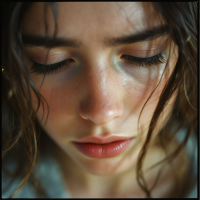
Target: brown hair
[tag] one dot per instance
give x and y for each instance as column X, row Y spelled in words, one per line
column 21, row 131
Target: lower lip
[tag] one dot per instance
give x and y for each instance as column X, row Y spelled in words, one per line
column 103, row 150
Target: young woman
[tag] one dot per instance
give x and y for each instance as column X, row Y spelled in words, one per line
column 99, row 99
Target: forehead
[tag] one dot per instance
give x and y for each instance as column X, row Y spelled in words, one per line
column 93, row 19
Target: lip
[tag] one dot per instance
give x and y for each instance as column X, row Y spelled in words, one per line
column 96, row 147
column 101, row 140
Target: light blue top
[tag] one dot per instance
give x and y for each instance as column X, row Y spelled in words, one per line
column 52, row 180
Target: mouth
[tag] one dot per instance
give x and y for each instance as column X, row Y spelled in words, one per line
column 94, row 147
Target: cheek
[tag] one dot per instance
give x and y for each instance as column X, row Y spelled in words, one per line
column 137, row 95
column 61, row 109
column 143, row 81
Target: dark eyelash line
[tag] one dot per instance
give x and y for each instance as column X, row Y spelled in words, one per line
column 49, row 69
column 55, row 68
column 145, row 62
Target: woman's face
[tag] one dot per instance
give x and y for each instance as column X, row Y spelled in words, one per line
column 99, row 93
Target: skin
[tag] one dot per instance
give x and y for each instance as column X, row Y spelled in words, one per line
column 100, row 93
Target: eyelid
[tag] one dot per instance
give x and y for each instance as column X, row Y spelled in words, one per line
column 142, row 53
column 50, row 60
column 145, row 50
column 143, row 58
column 145, row 62
column 53, row 57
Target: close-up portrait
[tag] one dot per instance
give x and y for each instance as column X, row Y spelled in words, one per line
column 100, row 99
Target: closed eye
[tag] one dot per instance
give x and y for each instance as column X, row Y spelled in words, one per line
column 50, row 69
column 146, row 62
column 136, row 61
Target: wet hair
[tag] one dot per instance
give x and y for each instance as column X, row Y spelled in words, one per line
column 22, row 134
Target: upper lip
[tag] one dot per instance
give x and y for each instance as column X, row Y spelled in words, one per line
column 102, row 140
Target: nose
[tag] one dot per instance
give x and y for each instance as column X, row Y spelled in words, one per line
column 101, row 103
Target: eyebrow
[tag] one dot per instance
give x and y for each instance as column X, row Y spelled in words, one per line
column 34, row 40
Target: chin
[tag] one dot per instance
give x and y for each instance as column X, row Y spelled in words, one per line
column 106, row 166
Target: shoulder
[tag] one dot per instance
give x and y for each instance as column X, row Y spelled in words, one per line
column 10, row 182
column 47, row 172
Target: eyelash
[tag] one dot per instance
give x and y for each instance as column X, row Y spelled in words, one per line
column 145, row 62
column 50, row 69
column 55, row 68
